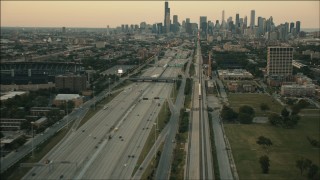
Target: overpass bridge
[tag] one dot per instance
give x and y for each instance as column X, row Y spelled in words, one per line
column 154, row 79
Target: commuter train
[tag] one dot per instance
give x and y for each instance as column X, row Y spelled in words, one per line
column 199, row 91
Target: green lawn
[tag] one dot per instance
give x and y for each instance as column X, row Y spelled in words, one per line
column 288, row 146
column 237, row 100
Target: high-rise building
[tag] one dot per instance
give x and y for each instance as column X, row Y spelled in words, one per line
column 203, row 26
column 175, row 19
column 63, row 30
column 279, row 62
column 237, row 20
column 245, row 22
column 253, row 16
column 222, row 16
column 167, row 17
column 261, row 25
column 291, row 26
column 298, row 26
column 175, row 25
column 187, row 20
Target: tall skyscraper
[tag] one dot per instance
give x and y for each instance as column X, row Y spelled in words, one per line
column 298, row 27
column 222, row 17
column 261, row 26
column 279, row 62
column 203, row 26
column 253, row 16
column 237, row 20
column 291, row 27
column 166, row 17
column 245, row 22
column 175, row 19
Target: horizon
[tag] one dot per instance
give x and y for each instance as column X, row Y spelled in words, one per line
column 100, row 14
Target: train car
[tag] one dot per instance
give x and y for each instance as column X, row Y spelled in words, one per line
column 199, row 91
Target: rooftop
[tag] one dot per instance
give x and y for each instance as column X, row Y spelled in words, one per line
column 67, row 96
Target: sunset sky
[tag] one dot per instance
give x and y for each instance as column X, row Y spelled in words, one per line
column 103, row 13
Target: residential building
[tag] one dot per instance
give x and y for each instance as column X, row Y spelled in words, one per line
column 279, row 63
column 10, row 124
column 297, row 90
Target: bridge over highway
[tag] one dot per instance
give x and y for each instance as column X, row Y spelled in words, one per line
column 154, row 79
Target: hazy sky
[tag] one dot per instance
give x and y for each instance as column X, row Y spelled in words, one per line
column 112, row 13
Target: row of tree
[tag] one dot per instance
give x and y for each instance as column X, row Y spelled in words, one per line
column 245, row 115
column 304, row 164
column 285, row 120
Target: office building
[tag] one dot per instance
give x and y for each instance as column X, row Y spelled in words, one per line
column 298, row 27
column 253, row 16
column 203, row 26
column 237, row 20
column 166, row 17
column 279, row 63
column 291, row 27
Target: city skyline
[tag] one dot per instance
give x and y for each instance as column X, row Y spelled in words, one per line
column 100, row 14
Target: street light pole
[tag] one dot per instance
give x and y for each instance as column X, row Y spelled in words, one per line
column 32, row 137
column 109, row 86
column 94, row 100
column 155, row 139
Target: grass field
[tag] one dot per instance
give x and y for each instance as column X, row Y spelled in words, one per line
column 254, row 100
column 288, row 146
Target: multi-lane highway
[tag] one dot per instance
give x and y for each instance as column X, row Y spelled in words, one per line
column 109, row 144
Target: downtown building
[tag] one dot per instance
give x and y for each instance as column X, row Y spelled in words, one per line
column 279, row 65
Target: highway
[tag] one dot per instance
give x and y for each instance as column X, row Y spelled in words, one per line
column 199, row 158
column 113, row 138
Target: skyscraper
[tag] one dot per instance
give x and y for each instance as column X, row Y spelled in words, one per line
column 245, row 22
column 222, row 17
column 203, row 26
column 298, row 27
column 166, row 17
column 253, row 16
column 261, row 25
column 175, row 19
column 291, row 27
column 279, row 62
column 187, row 20
column 237, row 20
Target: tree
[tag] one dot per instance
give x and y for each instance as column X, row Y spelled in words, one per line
column 265, row 164
column 245, row 118
column 228, row 113
column 247, row 110
column 299, row 165
column 285, row 112
column 313, row 169
column 307, row 164
column 265, row 142
column 264, row 107
column 275, row 119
